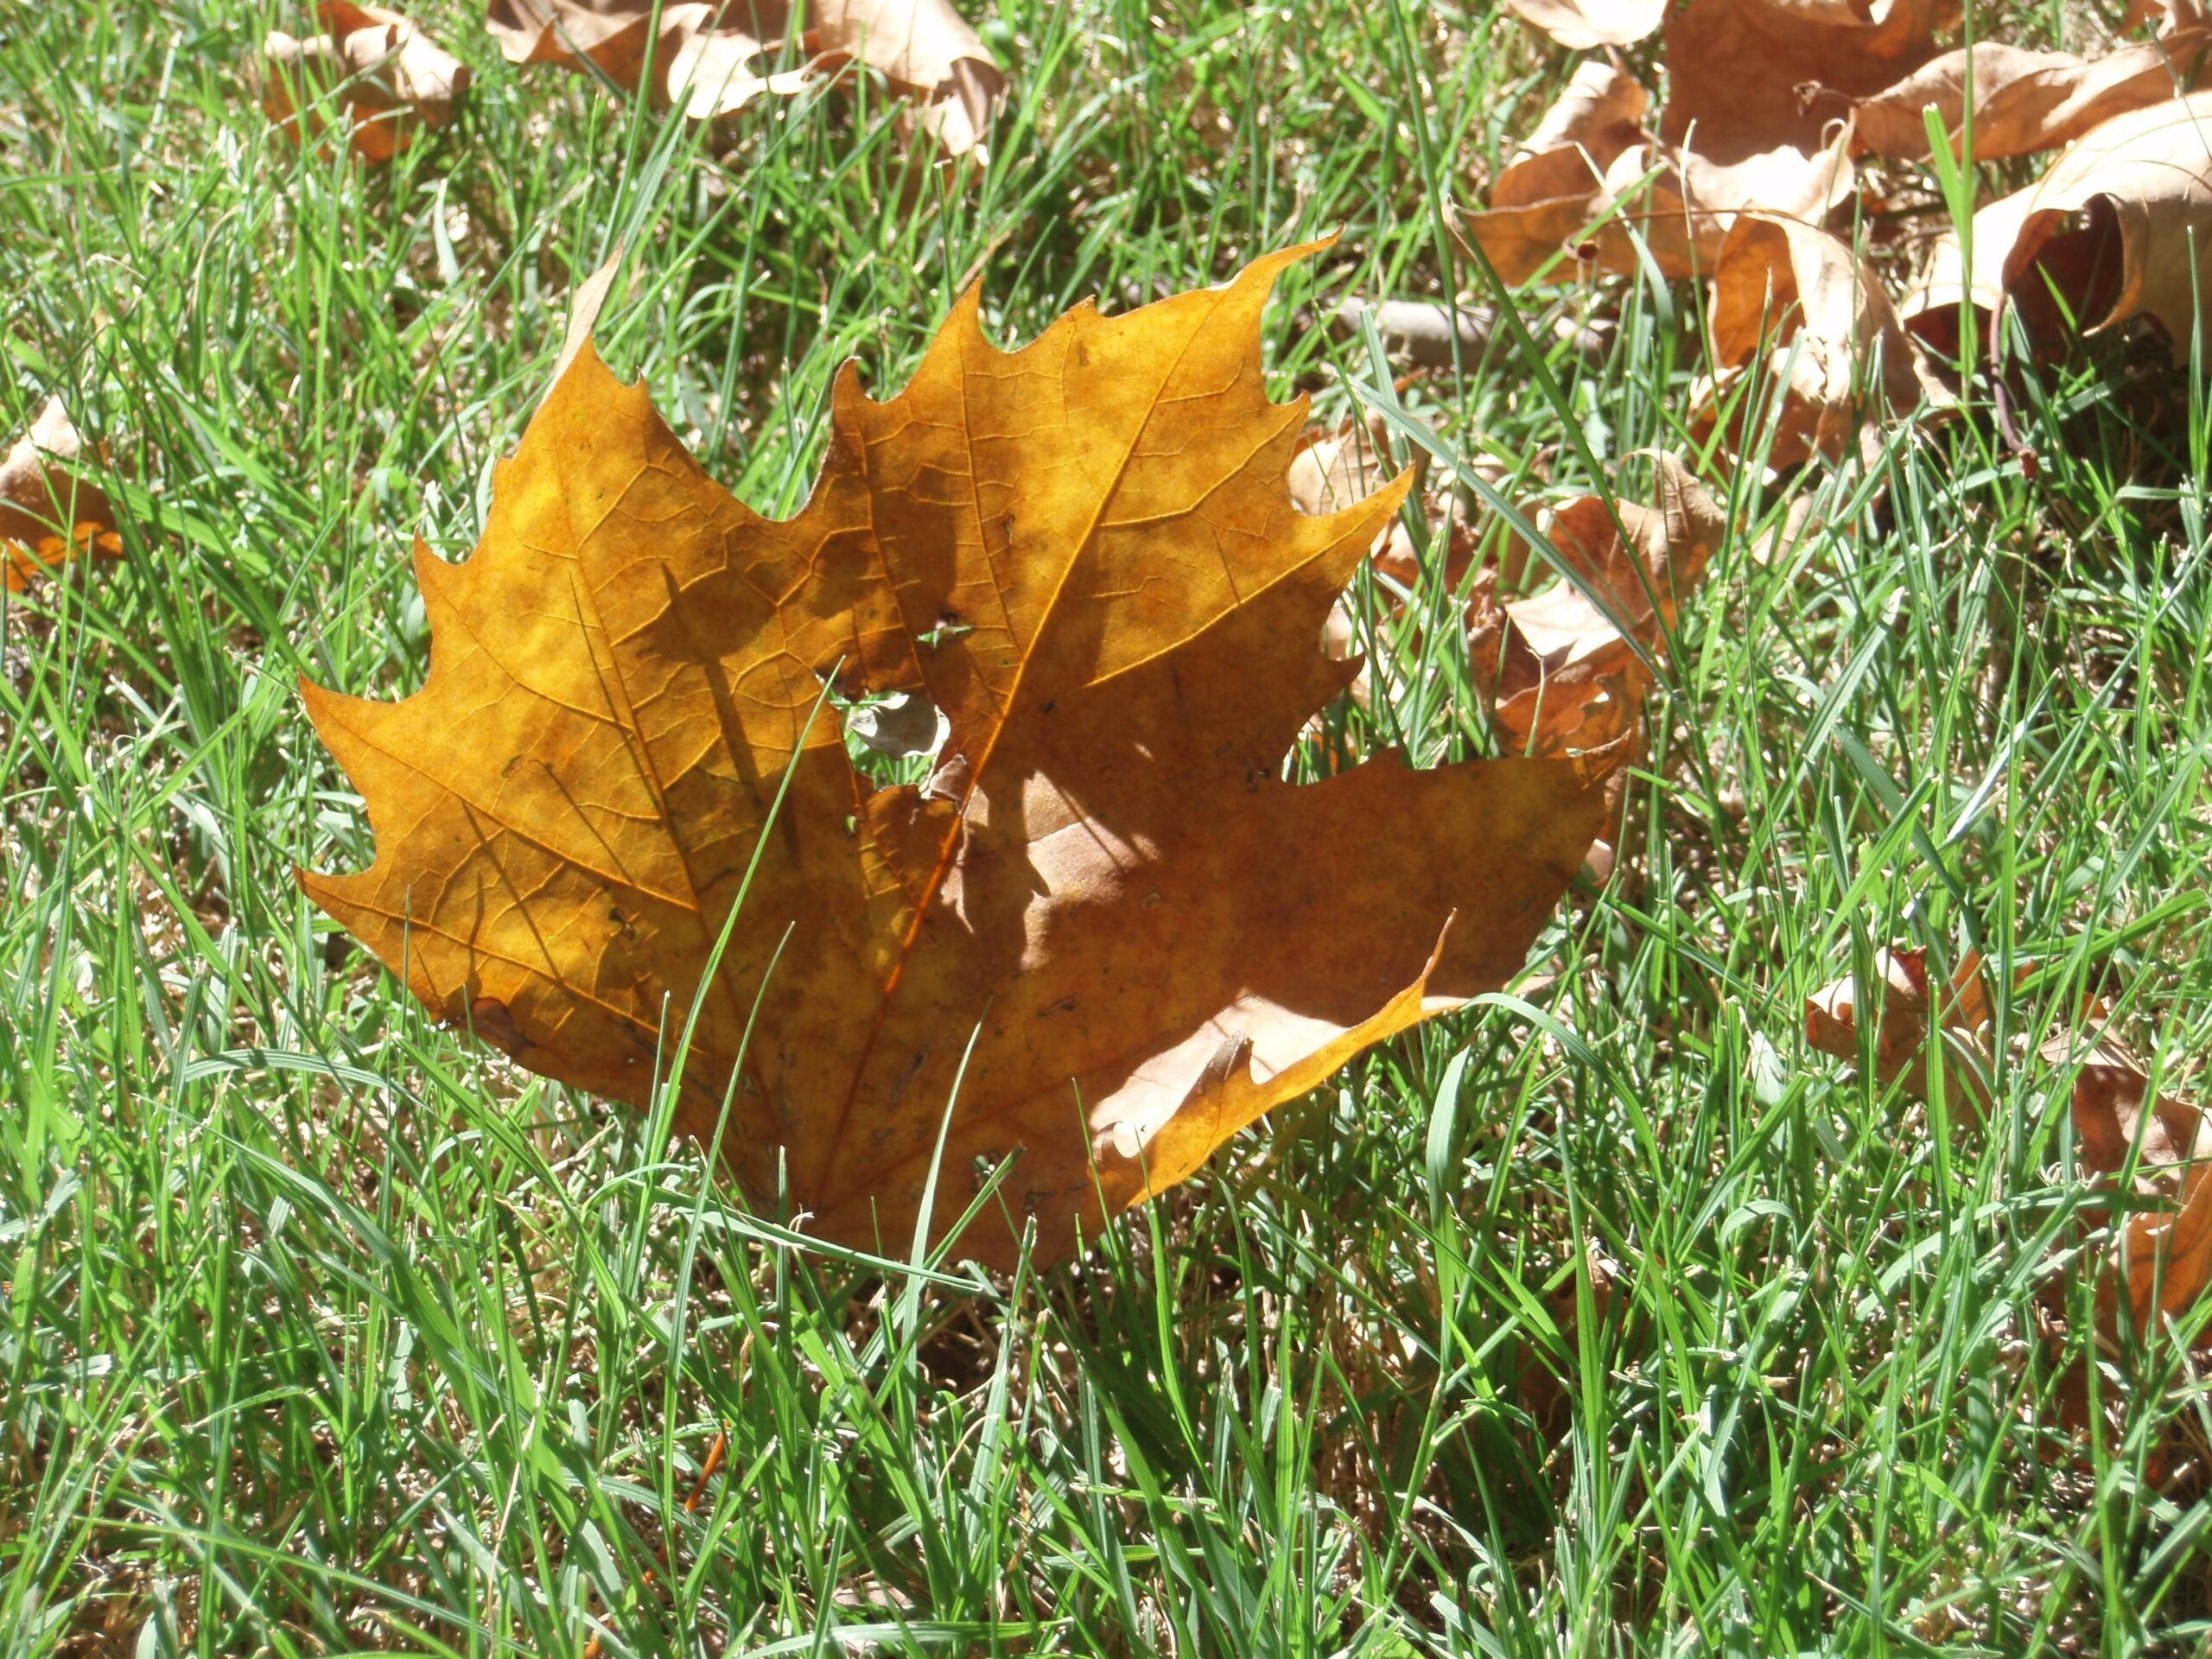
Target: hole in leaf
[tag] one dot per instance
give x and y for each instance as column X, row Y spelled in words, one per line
column 895, row 737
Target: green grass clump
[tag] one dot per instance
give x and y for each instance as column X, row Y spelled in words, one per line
column 1602, row 1317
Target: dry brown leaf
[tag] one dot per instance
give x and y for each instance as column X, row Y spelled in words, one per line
column 1910, row 1011
column 2175, row 19
column 1334, row 468
column 1929, row 309
column 706, row 54
column 1679, row 206
column 2118, row 227
column 41, row 494
column 1738, row 71
column 1553, row 185
column 2163, row 1257
column 1085, row 552
column 1578, row 25
column 386, row 71
column 1589, row 180
column 1797, row 305
column 2023, row 101
column 1561, row 676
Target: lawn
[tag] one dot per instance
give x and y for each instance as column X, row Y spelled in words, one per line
column 1602, row 1316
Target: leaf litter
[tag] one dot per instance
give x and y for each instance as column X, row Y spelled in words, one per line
column 713, row 60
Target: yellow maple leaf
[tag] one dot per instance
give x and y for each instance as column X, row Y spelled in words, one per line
column 1085, row 554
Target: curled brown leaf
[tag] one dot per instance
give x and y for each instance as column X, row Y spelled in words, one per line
column 1566, row 669
column 2118, row 227
column 1748, row 76
column 1676, row 206
column 1581, row 24
column 1796, row 305
column 2162, row 1258
column 1914, row 1021
column 1553, row 185
column 2023, row 101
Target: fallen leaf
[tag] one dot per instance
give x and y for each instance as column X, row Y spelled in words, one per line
column 1578, row 25
column 1929, row 309
column 1335, row 468
column 2116, row 228
column 1104, row 937
column 1676, row 206
column 385, row 69
column 2175, row 19
column 1553, row 186
column 1796, row 306
column 1737, row 69
column 1589, row 182
column 48, row 514
column 1331, row 471
column 1561, row 675
column 2163, row 1257
column 704, row 55
column 1907, row 1013
column 2023, row 101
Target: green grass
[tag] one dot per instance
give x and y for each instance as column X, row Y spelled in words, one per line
column 1602, row 1318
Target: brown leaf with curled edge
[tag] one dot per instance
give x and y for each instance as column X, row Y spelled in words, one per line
column 1084, row 553
column 1930, row 308
column 387, row 73
column 2023, row 101
column 1794, row 307
column 1578, row 25
column 48, row 514
column 1589, row 180
column 1564, row 675
column 1561, row 675
column 707, row 56
column 1676, row 206
column 2163, row 1257
column 1747, row 76
column 2120, row 227
column 1910, row 1022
